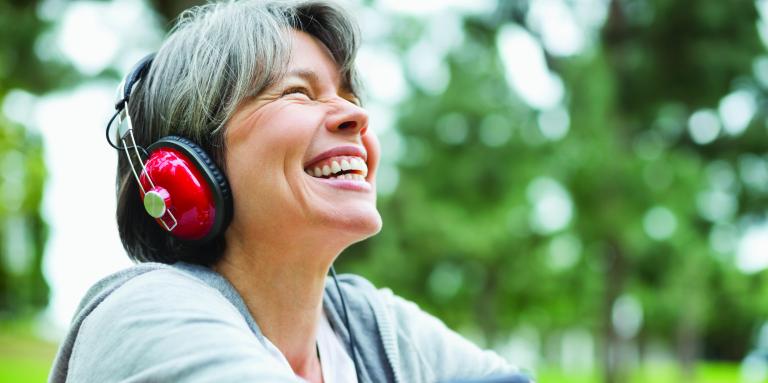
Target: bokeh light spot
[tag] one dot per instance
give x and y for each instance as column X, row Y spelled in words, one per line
column 552, row 206
column 704, row 126
column 659, row 223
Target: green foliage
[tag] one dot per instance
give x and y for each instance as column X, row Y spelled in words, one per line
column 705, row 373
column 23, row 357
column 458, row 236
column 20, row 66
column 23, row 231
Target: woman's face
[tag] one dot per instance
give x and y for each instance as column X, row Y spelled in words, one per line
column 300, row 159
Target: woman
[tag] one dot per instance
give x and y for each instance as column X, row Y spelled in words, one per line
column 268, row 90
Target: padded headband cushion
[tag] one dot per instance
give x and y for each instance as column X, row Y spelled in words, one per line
column 214, row 177
column 137, row 74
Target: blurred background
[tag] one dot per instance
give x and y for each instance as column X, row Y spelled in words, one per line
column 581, row 185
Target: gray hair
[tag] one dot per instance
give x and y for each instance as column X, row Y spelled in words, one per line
column 216, row 57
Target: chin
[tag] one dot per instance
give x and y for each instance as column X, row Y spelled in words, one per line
column 356, row 225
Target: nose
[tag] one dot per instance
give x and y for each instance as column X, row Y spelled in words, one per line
column 348, row 118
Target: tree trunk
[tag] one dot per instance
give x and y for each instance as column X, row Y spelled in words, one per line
column 687, row 343
column 485, row 309
column 613, row 267
column 691, row 295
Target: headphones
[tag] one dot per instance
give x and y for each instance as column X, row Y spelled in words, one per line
column 180, row 185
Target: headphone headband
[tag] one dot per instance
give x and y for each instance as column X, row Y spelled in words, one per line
column 134, row 77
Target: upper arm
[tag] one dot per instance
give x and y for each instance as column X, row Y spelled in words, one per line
column 163, row 326
column 426, row 340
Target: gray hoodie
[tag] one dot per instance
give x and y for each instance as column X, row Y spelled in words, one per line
column 185, row 323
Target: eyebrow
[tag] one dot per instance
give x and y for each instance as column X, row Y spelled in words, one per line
column 313, row 79
column 306, row 74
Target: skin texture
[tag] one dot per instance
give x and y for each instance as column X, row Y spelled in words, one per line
column 288, row 227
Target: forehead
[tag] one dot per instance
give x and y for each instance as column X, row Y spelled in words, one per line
column 312, row 60
column 308, row 53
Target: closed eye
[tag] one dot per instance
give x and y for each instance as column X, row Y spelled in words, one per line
column 355, row 101
column 297, row 90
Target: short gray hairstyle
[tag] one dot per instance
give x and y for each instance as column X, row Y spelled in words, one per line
column 216, row 57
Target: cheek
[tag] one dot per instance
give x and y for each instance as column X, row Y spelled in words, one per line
column 259, row 189
column 270, row 141
column 257, row 169
column 262, row 158
column 249, row 176
column 372, row 146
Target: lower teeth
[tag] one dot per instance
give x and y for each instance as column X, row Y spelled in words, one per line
column 351, row 177
column 347, row 176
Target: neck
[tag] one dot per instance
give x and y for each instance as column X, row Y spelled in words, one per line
column 282, row 286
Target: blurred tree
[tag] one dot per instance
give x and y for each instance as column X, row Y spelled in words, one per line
column 22, row 172
column 170, row 9
column 460, row 235
column 667, row 63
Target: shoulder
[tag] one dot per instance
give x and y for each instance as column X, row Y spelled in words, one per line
column 147, row 293
column 165, row 289
column 157, row 321
column 420, row 345
column 386, row 303
column 147, row 287
column 141, row 305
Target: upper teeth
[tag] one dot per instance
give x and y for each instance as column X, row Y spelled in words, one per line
column 333, row 166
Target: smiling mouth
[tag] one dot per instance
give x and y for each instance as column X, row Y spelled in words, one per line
column 340, row 167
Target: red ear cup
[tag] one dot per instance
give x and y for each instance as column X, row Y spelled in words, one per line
column 185, row 191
